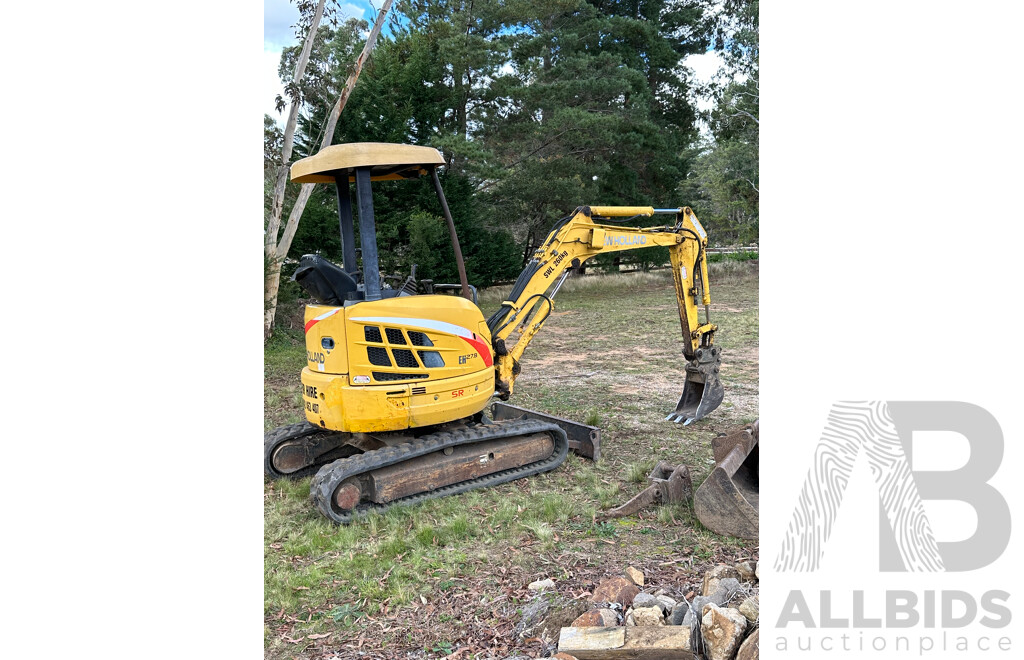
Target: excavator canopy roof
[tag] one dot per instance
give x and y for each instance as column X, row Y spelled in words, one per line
column 387, row 162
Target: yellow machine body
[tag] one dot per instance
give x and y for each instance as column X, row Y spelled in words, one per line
column 396, row 363
column 412, row 361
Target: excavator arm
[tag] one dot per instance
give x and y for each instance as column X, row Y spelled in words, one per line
column 589, row 231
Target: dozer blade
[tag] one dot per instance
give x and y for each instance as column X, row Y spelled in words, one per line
column 584, row 440
column 702, row 391
column 727, row 501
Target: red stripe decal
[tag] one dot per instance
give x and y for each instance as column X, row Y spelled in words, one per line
column 323, row 316
column 481, row 347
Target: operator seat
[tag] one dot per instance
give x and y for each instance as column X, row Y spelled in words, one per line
column 326, row 283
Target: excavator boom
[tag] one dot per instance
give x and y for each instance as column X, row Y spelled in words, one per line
column 590, row 231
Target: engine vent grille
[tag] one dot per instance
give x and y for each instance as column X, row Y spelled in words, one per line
column 405, row 358
column 378, row 356
column 379, row 375
column 431, row 359
column 419, row 339
column 394, row 336
column 372, row 333
column 419, row 390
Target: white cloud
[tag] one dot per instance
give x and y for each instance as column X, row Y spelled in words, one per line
column 704, row 67
column 270, row 82
column 349, row 10
column 279, row 17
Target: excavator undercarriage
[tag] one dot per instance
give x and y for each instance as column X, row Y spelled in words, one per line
column 437, row 464
column 355, row 473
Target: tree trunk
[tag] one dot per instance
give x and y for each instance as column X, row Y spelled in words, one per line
column 273, row 256
column 277, row 250
column 271, row 285
column 528, row 249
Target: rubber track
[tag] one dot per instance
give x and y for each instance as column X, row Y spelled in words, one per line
column 275, row 438
column 330, row 476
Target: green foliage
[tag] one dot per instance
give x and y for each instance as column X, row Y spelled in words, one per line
column 427, row 245
column 443, row 647
column 637, row 472
column 334, row 50
column 538, row 107
column 745, row 255
column 273, row 138
column 736, row 35
column 345, row 614
column 643, row 259
column 319, row 231
column 594, row 110
column 411, row 230
column 723, row 186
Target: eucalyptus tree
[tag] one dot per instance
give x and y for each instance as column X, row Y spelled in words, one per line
column 277, row 241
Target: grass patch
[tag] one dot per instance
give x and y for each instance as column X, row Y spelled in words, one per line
column 744, row 255
column 610, row 356
column 608, row 495
column 542, row 532
column 638, row 472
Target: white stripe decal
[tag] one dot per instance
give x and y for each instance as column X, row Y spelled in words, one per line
column 429, row 324
column 700, row 227
column 326, row 314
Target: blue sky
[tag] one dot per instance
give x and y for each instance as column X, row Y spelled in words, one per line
column 278, row 18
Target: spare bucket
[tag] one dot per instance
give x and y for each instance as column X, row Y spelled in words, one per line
column 727, row 501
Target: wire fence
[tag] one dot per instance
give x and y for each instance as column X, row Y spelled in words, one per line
column 732, row 250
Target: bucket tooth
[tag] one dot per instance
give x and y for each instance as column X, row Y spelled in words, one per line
column 702, row 391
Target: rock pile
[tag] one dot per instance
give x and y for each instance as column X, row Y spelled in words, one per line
column 721, row 623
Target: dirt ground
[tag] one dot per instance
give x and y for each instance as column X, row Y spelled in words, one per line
column 447, row 579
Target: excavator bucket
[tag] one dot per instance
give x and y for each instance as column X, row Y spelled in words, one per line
column 727, row 501
column 702, row 390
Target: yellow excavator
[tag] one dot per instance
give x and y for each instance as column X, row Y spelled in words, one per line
column 398, row 378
